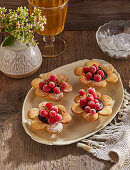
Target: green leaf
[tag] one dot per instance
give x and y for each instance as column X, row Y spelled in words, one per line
column 8, row 41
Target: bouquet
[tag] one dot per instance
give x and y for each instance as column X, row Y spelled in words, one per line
column 20, row 25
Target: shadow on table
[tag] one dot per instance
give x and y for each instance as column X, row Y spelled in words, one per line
column 22, row 149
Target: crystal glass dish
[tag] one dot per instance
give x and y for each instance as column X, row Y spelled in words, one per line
column 114, row 38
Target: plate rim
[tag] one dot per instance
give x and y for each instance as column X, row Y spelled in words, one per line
column 78, row 139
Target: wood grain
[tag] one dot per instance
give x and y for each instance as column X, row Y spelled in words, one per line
column 86, row 14
column 17, row 150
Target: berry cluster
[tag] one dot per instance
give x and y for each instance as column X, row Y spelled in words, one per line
column 50, row 112
column 91, row 103
column 93, row 72
column 52, row 85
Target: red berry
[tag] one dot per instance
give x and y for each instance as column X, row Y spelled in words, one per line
column 90, row 97
column 89, row 75
column 95, row 65
column 52, row 113
column 92, row 111
column 52, row 77
column 86, row 69
column 87, row 109
column 83, row 102
column 57, row 81
column 95, row 95
column 91, row 104
column 101, row 73
column 97, row 77
column 56, row 90
column 48, row 116
column 51, row 84
column 49, row 106
column 46, row 88
column 43, row 112
column 46, row 81
column 81, row 92
column 51, row 120
column 96, row 101
column 63, row 84
column 92, row 69
column 91, row 90
column 58, row 117
column 97, row 106
column 55, row 108
column 41, row 84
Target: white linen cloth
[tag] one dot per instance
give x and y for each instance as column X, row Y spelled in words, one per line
column 113, row 142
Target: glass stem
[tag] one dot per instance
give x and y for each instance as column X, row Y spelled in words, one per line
column 49, row 40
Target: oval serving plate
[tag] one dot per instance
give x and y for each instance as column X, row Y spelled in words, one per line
column 79, row 128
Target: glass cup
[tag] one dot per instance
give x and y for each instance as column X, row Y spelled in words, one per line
column 55, row 12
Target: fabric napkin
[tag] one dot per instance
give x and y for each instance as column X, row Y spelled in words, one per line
column 113, row 142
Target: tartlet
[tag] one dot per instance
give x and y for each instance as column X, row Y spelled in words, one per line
column 48, row 117
column 51, row 86
column 96, row 75
column 92, row 104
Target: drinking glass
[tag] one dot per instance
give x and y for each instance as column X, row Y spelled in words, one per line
column 55, row 12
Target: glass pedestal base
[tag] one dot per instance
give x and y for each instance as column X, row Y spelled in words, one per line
column 52, row 46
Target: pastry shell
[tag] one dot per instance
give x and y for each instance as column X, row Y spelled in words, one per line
column 55, row 128
column 51, row 96
column 108, row 68
column 106, row 111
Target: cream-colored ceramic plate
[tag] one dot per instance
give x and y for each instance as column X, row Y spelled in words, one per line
column 79, row 128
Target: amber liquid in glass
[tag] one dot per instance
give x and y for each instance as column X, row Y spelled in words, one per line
column 54, row 13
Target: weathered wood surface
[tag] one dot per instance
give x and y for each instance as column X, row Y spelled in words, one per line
column 86, row 14
column 17, row 150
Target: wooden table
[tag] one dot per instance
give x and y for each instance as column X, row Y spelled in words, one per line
column 17, row 149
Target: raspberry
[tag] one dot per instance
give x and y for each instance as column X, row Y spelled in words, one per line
column 87, row 109
column 48, row 116
column 97, row 106
column 51, row 120
column 101, row 73
column 81, row 92
column 92, row 69
column 43, row 112
column 52, row 113
column 83, row 102
column 58, row 117
column 95, row 65
column 97, row 77
column 96, row 101
column 55, row 108
column 95, row 95
column 63, row 84
column 90, row 97
column 91, row 90
column 56, row 90
column 86, row 69
column 51, row 84
column 41, row 84
column 48, row 106
column 92, row 111
column 46, row 88
column 89, row 75
column 91, row 104
column 52, row 77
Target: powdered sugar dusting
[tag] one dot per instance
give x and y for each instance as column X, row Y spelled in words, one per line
column 42, row 104
column 55, row 128
column 59, row 95
column 108, row 66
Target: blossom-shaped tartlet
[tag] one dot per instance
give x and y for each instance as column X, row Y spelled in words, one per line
column 92, row 104
column 96, row 75
column 48, row 117
column 51, row 86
